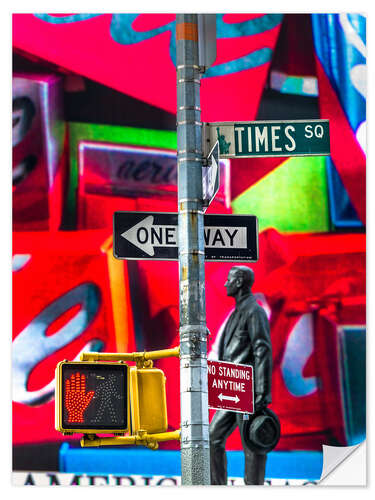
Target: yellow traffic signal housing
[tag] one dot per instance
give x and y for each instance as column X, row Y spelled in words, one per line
column 92, row 397
column 148, row 400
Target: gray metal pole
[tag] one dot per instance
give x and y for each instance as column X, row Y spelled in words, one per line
column 195, row 457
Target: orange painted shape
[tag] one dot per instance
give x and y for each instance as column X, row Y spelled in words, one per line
column 187, row 31
column 121, row 300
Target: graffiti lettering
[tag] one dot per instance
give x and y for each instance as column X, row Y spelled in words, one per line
column 32, row 345
column 298, row 349
column 151, row 171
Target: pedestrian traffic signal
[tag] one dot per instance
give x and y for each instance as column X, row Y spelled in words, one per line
column 92, row 397
column 148, row 400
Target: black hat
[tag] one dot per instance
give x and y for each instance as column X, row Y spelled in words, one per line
column 261, row 433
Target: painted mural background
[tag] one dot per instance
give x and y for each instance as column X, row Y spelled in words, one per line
column 70, row 294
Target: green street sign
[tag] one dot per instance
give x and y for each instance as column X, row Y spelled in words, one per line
column 269, row 138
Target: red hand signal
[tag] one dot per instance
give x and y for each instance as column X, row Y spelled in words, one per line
column 76, row 398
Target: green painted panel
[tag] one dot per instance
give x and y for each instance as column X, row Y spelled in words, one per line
column 115, row 135
column 293, row 198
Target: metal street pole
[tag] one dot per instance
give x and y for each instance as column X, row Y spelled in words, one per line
column 195, row 458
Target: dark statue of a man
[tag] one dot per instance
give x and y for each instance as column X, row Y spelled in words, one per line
column 245, row 340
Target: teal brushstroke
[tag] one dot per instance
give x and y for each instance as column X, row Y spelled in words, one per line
column 73, row 18
column 122, row 32
column 251, row 60
column 246, row 28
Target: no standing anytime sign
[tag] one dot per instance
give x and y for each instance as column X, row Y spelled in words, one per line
column 230, row 387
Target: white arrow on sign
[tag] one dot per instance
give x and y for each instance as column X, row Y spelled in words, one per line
column 229, row 398
column 146, row 236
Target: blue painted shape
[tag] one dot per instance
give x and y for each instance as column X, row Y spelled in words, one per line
column 128, row 461
column 118, row 460
column 340, row 44
column 343, row 214
column 294, row 465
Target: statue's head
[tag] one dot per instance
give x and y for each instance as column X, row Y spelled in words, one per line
column 239, row 278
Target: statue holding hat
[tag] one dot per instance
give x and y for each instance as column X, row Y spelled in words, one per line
column 246, row 340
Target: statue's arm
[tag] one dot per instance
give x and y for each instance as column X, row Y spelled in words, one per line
column 259, row 332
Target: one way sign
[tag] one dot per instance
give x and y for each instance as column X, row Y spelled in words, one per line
column 154, row 236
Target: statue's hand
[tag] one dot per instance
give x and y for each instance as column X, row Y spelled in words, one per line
column 260, row 402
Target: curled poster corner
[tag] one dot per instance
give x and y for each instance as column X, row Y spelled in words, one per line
column 352, row 462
